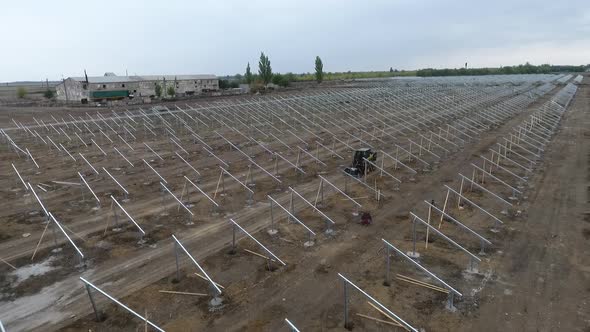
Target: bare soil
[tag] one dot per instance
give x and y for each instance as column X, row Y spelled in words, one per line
column 535, row 276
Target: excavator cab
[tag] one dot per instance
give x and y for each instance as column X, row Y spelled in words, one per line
column 357, row 168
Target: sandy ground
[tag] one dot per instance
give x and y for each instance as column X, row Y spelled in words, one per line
column 534, row 277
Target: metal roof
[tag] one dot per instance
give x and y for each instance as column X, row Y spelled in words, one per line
column 107, row 79
column 178, row 77
column 123, row 79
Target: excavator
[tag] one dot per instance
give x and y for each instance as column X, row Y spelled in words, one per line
column 357, row 169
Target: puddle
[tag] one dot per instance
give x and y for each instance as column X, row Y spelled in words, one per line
column 31, row 270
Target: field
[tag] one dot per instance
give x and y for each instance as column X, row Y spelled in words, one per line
column 34, row 92
column 253, row 188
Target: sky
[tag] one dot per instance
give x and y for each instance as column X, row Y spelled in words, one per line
column 60, row 38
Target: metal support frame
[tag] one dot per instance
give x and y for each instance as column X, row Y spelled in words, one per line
column 215, row 204
column 452, row 291
column 128, row 215
column 291, row 326
column 347, row 324
column 88, row 285
column 190, row 213
column 67, row 236
column 92, row 191
column 117, row 182
column 20, row 177
column 473, row 260
column 483, row 241
column 311, row 233
column 212, row 283
column 260, row 244
column 475, row 205
column 154, row 170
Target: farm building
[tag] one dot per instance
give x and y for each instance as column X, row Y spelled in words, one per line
column 113, row 87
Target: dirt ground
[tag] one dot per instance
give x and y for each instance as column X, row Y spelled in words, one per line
column 534, row 277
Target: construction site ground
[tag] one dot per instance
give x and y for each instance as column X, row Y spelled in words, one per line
column 535, row 276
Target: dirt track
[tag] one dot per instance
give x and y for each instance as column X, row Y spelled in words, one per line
column 307, row 290
column 542, row 278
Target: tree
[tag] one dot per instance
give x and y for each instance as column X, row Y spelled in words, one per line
column 158, row 90
column 248, row 75
column 171, row 91
column 290, row 77
column 319, row 69
column 223, row 84
column 21, row 92
column 264, row 69
column 48, row 94
column 280, row 80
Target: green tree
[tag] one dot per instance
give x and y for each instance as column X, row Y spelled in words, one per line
column 248, row 75
column 290, row 77
column 280, row 80
column 264, row 69
column 21, row 92
column 171, row 91
column 158, row 90
column 319, row 69
column 223, row 84
column 48, row 94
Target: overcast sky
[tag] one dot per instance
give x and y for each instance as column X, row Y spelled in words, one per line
column 50, row 39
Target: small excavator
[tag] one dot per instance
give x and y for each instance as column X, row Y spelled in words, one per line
column 357, row 169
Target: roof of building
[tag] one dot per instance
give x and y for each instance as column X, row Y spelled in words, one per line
column 177, row 77
column 123, row 79
column 107, row 79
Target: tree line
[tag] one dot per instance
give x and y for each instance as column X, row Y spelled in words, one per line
column 266, row 76
column 527, row 68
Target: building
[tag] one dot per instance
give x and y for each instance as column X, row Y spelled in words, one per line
column 113, row 87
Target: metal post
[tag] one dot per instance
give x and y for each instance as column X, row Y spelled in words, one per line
column 291, row 208
column 190, row 217
column 54, row 234
column 93, row 304
column 387, row 266
column 272, row 219
column 176, row 259
column 82, row 190
column 322, row 191
column 450, row 305
column 414, row 238
column 346, row 322
column 472, row 265
column 115, row 215
column 233, row 240
column 481, row 251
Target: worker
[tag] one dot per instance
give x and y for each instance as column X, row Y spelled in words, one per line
column 366, row 219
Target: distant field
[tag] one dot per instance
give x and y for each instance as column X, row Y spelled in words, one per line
column 355, row 75
column 34, row 90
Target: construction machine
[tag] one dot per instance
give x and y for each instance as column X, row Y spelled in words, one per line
column 357, row 169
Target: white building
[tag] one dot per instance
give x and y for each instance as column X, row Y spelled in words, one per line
column 112, row 87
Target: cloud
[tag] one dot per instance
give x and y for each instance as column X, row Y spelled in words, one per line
column 51, row 39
